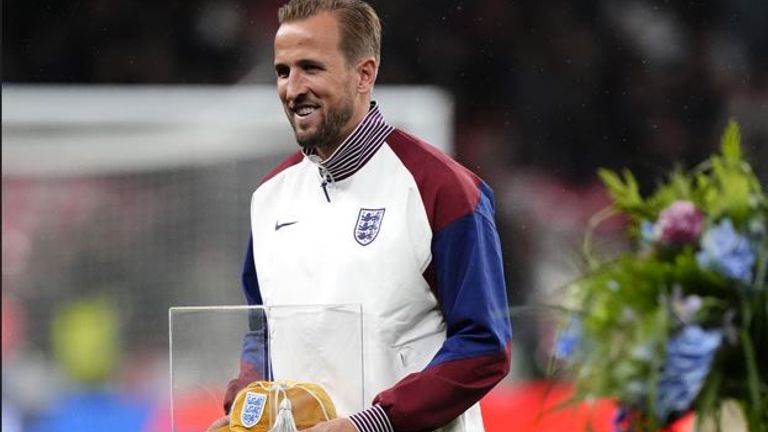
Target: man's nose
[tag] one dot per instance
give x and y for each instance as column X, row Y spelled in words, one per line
column 295, row 85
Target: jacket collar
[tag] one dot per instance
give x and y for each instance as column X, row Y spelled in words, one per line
column 356, row 149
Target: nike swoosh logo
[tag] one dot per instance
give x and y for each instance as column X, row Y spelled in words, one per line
column 279, row 225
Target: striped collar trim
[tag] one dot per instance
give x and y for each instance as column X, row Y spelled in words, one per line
column 356, row 149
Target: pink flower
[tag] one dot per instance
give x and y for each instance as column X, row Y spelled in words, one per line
column 680, row 223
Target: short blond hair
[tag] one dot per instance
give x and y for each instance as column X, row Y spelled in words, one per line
column 358, row 22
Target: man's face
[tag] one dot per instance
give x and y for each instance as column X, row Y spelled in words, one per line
column 314, row 81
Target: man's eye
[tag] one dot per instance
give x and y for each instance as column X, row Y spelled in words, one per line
column 282, row 72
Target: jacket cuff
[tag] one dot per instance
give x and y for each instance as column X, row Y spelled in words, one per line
column 373, row 419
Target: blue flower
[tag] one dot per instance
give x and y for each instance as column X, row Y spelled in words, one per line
column 727, row 252
column 568, row 339
column 689, row 359
column 647, row 233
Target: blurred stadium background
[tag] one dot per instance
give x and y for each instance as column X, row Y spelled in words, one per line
column 134, row 131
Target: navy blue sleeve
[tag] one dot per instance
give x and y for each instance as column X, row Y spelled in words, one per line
column 249, row 279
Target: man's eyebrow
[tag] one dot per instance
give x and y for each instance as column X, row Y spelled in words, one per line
column 302, row 63
column 310, row 62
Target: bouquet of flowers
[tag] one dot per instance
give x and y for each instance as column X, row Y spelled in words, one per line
column 680, row 323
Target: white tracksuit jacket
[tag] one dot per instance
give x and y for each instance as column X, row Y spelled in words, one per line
column 391, row 223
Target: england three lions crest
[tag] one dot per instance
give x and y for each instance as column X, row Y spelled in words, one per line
column 368, row 225
column 253, row 408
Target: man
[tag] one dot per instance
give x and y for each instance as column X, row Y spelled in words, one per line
column 367, row 214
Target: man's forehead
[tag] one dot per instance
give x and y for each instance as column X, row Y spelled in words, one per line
column 321, row 28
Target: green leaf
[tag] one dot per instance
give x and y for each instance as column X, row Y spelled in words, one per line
column 708, row 399
column 730, row 143
column 625, row 192
column 734, row 191
column 679, row 187
column 753, row 378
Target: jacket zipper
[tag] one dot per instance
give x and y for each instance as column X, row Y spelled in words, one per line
column 324, row 185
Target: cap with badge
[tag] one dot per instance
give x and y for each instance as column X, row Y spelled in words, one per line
column 279, row 406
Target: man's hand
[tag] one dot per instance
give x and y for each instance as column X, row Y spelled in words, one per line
column 219, row 422
column 335, row 425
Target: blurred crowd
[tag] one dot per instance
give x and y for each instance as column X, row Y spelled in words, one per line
column 558, row 85
column 545, row 92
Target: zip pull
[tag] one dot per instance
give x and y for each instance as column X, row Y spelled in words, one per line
column 327, row 178
column 324, row 185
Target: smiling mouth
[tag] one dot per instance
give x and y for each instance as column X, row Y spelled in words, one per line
column 304, row 111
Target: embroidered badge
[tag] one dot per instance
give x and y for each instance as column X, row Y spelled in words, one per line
column 368, row 225
column 253, row 408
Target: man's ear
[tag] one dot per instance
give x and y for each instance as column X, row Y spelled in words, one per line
column 367, row 70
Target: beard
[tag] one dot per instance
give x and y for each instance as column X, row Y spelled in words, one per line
column 328, row 133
